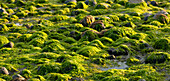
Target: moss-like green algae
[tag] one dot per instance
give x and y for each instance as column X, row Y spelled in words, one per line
column 65, row 43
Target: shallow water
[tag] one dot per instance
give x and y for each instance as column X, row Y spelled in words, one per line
column 18, row 24
column 120, row 65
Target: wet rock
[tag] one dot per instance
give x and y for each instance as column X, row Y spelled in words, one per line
column 111, row 51
column 162, row 44
column 70, row 1
column 160, row 13
column 102, row 6
column 10, row 45
column 64, row 28
column 98, row 25
column 3, row 70
column 154, row 3
column 18, row 77
column 157, row 57
column 141, row 80
column 136, row 1
column 2, row 10
column 87, row 2
column 87, row 21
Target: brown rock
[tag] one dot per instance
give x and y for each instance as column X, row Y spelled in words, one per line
column 98, row 25
column 10, row 45
column 18, row 77
column 4, row 71
column 159, row 13
column 88, row 20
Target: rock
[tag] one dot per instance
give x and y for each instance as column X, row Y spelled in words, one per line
column 98, row 25
column 102, row 6
column 146, row 16
column 70, row 1
column 2, row 11
column 10, row 45
column 94, row 2
column 63, row 28
column 159, row 13
column 136, row 1
column 112, row 51
column 87, row 2
column 157, row 57
column 141, row 80
column 18, row 77
column 154, row 3
column 88, row 20
column 3, row 70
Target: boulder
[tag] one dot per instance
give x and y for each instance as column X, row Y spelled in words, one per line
column 10, row 45
column 70, row 1
column 136, row 1
column 3, row 70
column 18, row 77
column 98, row 25
column 88, row 20
column 159, row 13
column 154, row 3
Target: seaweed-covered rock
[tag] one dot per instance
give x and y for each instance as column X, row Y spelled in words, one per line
column 98, row 61
column 102, row 6
column 79, row 11
column 59, row 18
column 114, row 17
column 147, row 27
column 18, row 77
column 82, row 5
column 162, row 44
column 98, row 25
column 25, row 37
column 3, row 28
column 47, row 68
column 97, row 43
column 19, row 2
column 89, row 35
column 69, row 40
column 133, row 60
column 26, row 73
column 72, row 67
column 162, row 18
column 87, row 21
column 37, row 41
column 159, row 13
column 157, row 57
column 75, row 34
column 10, row 45
column 136, row 1
column 39, row 77
column 38, row 34
column 3, row 70
column 42, row 1
column 120, row 50
column 57, row 77
column 88, row 51
column 10, row 1
column 115, row 33
column 3, row 40
column 106, row 40
column 51, row 47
